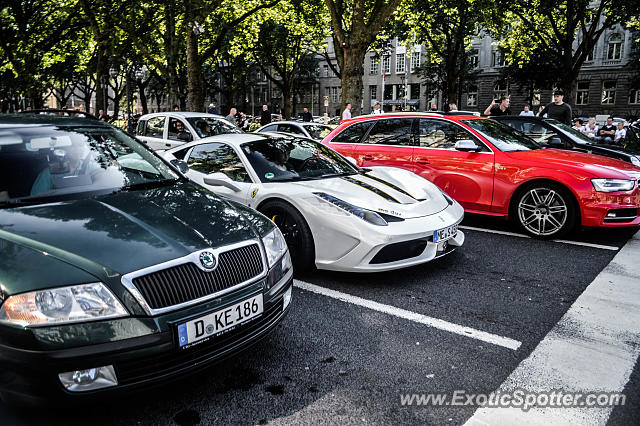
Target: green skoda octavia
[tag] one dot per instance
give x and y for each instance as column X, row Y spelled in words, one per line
column 115, row 270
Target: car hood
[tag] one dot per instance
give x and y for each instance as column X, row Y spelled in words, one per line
column 80, row 240
column 387, row 190
column 590, row 165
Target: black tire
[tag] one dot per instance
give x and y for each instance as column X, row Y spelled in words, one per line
column 544, row 210
column 295, row 230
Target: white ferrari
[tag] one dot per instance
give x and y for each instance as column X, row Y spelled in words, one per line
column 332, row 213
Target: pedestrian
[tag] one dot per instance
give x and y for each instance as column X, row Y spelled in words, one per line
column 591, row 129
column 526, row 111
column 579, row 125
column 453, row 107
column 212, row 109
column 376, row 109
column 265, row 116
column 434, row 107
column 499, row 107
column 621, row 133
column 558, row 109
column 540, row 109
column 306, row 115
column 176, row 108
column 607, row 132
column 346, row 114
column 244, row 122
column 102, row 116
column 232, row 115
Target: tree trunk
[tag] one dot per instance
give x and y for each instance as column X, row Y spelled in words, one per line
column 102, row 79
column 352, row 73
column 194, row 73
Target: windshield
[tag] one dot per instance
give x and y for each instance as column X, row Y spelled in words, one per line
column 209, row 126
column 317, row 131
column 570, row 131
column 48, row 162
column 502, row 136
column 292, row 159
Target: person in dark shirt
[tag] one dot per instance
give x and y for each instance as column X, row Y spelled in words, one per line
column 607, row 133
column 499, row 107
column 265, row 116
column 306, row 115
column 558, row 109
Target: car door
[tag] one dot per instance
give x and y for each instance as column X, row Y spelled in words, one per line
column 388, row 143
column 177, row 133
column 153, row 133
column 219, row 157
column 346, row 142
column 465, row 176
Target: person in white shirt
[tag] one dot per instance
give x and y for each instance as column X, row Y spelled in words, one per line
column 578, row 125
column 591, row 129
column 621, row 133
column 526, row 111
column 346, row 114
column 376, row 109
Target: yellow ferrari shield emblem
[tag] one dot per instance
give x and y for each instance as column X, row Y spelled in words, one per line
column 254, row 192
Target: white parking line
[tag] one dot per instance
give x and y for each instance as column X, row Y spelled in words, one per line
column 513, row 234
column 593, row 348
column 412, row 316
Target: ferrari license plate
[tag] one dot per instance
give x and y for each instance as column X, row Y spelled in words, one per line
column 445, row 233
column 218, row 322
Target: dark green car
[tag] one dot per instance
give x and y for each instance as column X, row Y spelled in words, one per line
column 115, row 270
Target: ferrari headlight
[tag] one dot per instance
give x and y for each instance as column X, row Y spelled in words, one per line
column 62, row 305
column 364, row 214
column 275, row 245
column 635, row 161
column 612, row 185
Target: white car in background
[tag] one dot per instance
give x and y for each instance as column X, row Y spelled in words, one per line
column 159, row 130
column 310, row 130
column 332, row 214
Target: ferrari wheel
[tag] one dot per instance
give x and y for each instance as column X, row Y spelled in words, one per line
column 295, row 230
column 544, row 210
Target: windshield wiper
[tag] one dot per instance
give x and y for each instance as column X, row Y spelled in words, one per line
column 148, row 185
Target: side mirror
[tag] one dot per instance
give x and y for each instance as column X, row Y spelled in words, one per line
column 220, row 179
column 556, row 141
column 180, row 165
column 466, row 145
column 352, row 161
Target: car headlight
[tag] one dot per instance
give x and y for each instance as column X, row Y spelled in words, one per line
column 612, row 185
column 364, row 214
column 275, row 245
column 635, row 161
column 62, row 305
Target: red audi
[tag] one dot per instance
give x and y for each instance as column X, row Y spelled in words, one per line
column 491, row 169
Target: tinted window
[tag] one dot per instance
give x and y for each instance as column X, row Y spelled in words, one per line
column 353, row 133
column 441, row 134
column 289, row 128
column 271, row 128
column 395, row 131
column 218, row 157
column 155, row 127
column 178, row 131
column 502, row 136
column 208, row 126
column 140, row 129
column 539, row 132
column 317, row 131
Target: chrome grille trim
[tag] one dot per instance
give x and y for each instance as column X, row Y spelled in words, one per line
column 192, row 258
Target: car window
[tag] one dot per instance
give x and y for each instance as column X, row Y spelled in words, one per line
column 443, row 134
column 539, row 132
column 393, row 131
column 271, row 128
column 178, row 131
column 218, row 158
column 140, row 127
column 502, row 136
column 155, row 127
column 209, row 126
column 317, row 131
column 289, row 128
column 353, row 133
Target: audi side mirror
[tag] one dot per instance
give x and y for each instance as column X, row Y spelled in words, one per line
column 466, row 145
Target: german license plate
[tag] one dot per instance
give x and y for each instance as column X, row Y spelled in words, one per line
column 218, row 322
column 445, row 233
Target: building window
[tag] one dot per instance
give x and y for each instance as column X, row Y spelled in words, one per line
column 472, row 96
column 400, row 63
column 473, row 58
column 375, row 62
column 415, row 61
column 615, row 47
column 591, row 55
column 498, row 59
column 325, row 69
column 414, row 89
column 334, row 94
column 537, row 96
column 386, row 65
column 500, row 89
column 582, row 94
column 609, row 92
column 634, row 97
column 373, row 92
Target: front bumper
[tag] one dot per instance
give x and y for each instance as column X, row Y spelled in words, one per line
column 367, row 241
column 611, row 210
column 138, row 361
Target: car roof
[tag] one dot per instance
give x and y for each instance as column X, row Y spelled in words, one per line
column 235, row 139
column 24, row 120
column 405, row 115
column 180, row 114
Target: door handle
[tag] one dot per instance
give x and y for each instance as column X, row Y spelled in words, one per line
column 367, row 157
column 422, row 160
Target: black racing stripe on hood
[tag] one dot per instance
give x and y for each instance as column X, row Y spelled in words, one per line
column 371, row 188
column 389, row 184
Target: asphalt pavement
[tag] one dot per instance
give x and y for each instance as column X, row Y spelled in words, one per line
column 352, row 344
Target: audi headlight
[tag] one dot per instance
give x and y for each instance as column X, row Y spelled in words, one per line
column 612, row 185
column 364, row 214
column 62, row 305
column 275, row 245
